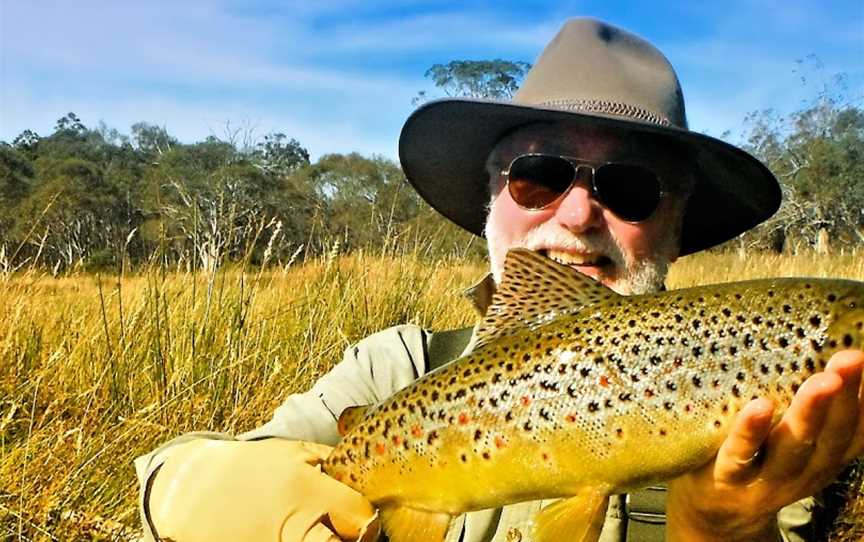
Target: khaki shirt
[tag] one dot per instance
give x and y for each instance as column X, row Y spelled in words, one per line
column 382, row 364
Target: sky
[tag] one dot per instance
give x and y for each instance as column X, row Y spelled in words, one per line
column 339, row 75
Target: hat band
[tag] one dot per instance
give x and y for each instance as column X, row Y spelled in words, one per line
column 606, row 107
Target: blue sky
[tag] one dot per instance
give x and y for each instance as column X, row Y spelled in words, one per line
column 339, row 75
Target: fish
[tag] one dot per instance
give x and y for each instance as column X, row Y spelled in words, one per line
column 575, row 392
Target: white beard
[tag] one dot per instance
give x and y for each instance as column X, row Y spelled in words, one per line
column 625, row 275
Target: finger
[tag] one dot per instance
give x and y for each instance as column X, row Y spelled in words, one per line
column 793, row 440
column 318, row 533
column 736, row 458
column 349, row 512
column 314, row 453
column 843, row 415
column 856, row 447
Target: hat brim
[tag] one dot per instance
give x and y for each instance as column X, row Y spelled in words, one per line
column 444, row 145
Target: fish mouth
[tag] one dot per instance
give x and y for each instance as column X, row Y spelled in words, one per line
column 585, row 262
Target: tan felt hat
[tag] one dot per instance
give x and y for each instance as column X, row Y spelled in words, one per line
column 595, row 75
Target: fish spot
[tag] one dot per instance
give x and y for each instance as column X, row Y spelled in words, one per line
column 593, row 406
column 847, row 340
column 525, row 400
column 697, row 382
column 380, row 448
column 463, row 418
column 604, row 380
column 832, row 298
column 486, row 455
column 783, row 342
column 815, row 320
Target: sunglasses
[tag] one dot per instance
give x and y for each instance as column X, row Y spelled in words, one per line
column 631, row 192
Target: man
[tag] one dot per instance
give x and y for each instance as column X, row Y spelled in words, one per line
column 592, row 166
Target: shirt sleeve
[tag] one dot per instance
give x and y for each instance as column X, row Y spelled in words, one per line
column 370, row 371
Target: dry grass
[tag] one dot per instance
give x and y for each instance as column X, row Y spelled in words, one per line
column 97, row 370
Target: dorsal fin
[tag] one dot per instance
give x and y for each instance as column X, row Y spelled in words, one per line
column 533, row 291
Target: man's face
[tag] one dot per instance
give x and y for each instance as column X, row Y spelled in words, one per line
column 577, row 230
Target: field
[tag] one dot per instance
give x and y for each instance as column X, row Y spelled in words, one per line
column 96, row 369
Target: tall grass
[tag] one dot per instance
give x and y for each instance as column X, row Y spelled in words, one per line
column 96, row 370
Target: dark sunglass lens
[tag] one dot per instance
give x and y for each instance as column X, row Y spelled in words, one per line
column 537, row 181
column 631, row 192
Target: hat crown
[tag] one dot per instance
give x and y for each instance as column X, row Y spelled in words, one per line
column 596, row 68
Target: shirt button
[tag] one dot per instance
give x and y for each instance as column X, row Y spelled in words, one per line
column 514, row 535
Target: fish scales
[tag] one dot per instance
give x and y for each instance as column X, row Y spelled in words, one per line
column 616, row 394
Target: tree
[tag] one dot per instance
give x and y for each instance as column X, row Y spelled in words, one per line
column 816, row 153
column 494, row 79
column 278, row 155
column 151, row 140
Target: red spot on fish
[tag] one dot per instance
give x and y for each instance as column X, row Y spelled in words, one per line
column 604, row 381
column 545, row 456
column 570, row 418
column 463, row 418
column 380, row 447
column 337, row 476
column 499, row 442
column 397, row 440
column 525, row 400
column 416, row 431
column 688, row 407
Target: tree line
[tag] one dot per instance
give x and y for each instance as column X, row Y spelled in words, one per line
column 97, row 198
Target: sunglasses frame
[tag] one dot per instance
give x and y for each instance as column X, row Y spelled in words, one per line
column 577, row 164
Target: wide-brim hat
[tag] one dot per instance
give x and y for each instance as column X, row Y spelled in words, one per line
column 598, row 76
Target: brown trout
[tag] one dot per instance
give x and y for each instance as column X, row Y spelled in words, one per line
column 574, row 391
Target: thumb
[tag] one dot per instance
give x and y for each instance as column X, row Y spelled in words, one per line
column 350, row 514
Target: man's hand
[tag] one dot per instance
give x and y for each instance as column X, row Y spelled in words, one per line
column 273, row 489
column 760, row 469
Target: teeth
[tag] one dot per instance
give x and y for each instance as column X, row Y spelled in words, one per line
column 573, row 259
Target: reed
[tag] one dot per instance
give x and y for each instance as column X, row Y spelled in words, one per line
column 98, row 369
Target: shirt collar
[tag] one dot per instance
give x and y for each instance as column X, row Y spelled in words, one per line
column 480, row 294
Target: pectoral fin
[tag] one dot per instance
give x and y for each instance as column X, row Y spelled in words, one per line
column 351, row 418
column 403, row 524
column 577, row 519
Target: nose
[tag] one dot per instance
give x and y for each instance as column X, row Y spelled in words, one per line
column 578, row 211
